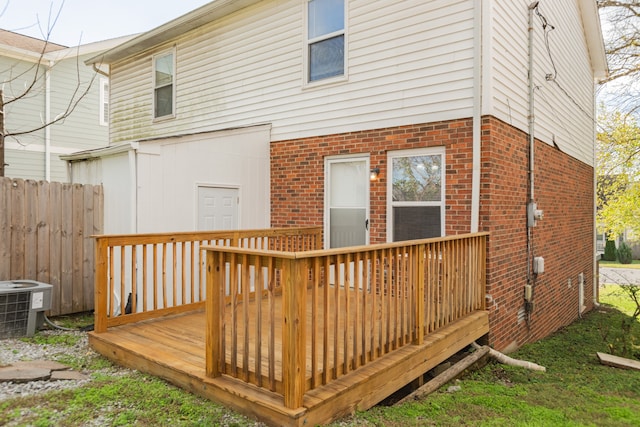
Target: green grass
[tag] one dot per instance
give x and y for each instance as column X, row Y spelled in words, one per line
column 616, row 264
column 135, row 399
column 576, row 390
column 614, row 296
column 62, row 339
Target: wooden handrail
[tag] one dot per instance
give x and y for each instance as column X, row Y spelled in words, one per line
column 351, row 305
column 142, row 276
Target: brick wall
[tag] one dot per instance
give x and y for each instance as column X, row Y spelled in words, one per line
column 564, row 238
column 564, row 188
column 297, row 171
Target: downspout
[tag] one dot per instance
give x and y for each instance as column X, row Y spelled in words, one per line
column 477, row 116
column 532, row 6
column 528, row 293
column 47, row 119
column 596, row 270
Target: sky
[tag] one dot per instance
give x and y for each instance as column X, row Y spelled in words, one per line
column 87, row 21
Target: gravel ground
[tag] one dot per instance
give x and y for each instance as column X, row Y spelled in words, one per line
column 15, row 350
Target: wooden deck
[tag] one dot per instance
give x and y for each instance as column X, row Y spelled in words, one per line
column 283, row 331
column 173, row 348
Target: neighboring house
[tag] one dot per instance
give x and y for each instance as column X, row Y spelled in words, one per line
column 55, row 79
column 291, row 105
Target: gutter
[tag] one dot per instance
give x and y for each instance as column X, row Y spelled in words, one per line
column 99, row 71
column 477, row 116
column 596, row 270
column 203, row 15
column 100, row 152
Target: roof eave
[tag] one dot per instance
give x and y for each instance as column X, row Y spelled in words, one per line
column 97, row 153
column 172, row 29
column 595, row 41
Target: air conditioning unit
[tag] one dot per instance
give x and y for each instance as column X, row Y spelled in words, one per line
column 22, row 307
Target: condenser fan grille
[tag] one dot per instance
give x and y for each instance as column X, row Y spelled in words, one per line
column 14, row 314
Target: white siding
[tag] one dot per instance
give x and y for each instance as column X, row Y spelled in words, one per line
column 566, row 118
column 408, row 62
column 119, row 186
column 170, row 171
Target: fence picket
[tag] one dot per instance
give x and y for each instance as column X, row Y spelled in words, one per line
column 45, row 235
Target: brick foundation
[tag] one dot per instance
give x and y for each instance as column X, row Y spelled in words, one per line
column 563, row 189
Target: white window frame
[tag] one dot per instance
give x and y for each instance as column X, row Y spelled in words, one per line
column 364, row 157
column 429, row 151
column 173, row 83
column 104, row 102
column 308, row 42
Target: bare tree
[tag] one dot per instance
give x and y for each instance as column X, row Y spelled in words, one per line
column 621, row 25
column 37, row 77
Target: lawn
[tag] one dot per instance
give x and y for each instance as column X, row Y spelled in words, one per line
column 575, row 391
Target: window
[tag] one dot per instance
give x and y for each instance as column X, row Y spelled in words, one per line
column 325, row 39
column 416, row 194
column 104, row 102
column 164, row 85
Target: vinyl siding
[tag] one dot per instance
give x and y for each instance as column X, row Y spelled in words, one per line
column 24, row 164
column 25, row 154
column 408, row 62
column 81, row 130
column 566, row 118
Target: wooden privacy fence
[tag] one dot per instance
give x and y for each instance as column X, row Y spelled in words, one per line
column 45, row 235
column 294, row 321
column 144, row 276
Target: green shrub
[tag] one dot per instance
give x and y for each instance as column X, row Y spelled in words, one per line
column 624, row 253
column 609, row 251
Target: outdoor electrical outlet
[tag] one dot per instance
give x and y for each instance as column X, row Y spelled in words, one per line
column 569, row 283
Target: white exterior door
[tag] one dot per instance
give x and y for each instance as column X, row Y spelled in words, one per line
column 217, row 208
column 346, row 202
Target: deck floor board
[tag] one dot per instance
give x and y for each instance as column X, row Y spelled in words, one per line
column 173, row 347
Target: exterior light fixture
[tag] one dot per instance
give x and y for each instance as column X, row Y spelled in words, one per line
column 375, row 172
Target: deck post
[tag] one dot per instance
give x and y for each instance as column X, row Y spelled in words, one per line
column 214, row 314
column 420, row 296
column 293, row 337
column 100, row 286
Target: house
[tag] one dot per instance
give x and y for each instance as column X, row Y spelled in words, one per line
column 56, row 80
column 383, row 121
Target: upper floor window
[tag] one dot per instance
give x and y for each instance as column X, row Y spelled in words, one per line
column 164, row 85
column 325, row 39
column 104, row 102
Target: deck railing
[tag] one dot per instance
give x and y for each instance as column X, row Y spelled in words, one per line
column 293, row 321
column 143, row 276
